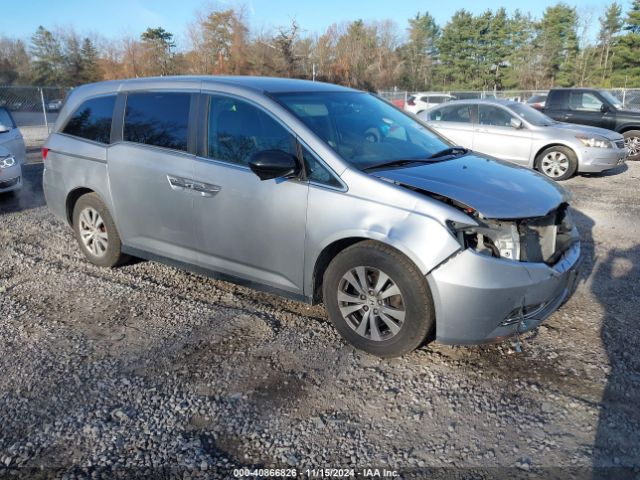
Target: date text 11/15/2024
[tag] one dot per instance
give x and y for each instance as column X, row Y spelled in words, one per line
column 315, row 473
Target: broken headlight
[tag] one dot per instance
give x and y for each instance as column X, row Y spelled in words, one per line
column 499, row 239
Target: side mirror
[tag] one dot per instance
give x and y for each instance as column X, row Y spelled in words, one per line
column 515, row 123
column 4, row 128
column 268, row 164
column 604, row 108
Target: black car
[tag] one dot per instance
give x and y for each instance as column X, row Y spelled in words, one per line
column 599, row 108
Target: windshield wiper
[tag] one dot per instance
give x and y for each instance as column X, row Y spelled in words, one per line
column 450, row 151
column 394, row 163
column 430, row 159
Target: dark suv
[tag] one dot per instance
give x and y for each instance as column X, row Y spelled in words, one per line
column 598, row 108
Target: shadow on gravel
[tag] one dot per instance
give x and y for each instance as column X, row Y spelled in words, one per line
column 29, row 196
column 608, row 173
column 617, row 444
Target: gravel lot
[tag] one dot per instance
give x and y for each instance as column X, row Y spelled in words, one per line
column 150, row 371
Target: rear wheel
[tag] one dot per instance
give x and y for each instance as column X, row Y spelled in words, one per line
column 632, row 142
column 96, row 232
column 378, row 300
column 557, row 162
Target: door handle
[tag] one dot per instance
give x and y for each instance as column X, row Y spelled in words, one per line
column 205, row 189
column 177, row 182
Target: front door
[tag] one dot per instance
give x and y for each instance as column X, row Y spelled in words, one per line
column 494, row 135
column 246, row 227
column 586, row 108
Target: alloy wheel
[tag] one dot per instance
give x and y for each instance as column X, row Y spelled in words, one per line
column 371, row 303
column 555, row 164
column 633, row 145
column 93, row 232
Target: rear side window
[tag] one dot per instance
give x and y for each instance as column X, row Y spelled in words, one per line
column 157, row 118
column 236, row 130
column 92, row 120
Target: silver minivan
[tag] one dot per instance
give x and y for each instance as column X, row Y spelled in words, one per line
column 316, row 192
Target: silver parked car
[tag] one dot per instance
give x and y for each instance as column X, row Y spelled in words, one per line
column 12, row 153
column 518, row 133
column 280, row 184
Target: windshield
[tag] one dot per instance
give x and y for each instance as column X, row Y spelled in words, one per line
column 363, row 129
column 531, row 115
column 617, row 104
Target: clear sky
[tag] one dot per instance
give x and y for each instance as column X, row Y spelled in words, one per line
column 114, row 18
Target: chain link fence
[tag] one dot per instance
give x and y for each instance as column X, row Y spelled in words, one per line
column 630, row 97
column 34, row 109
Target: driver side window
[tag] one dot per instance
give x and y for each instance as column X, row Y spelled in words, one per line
column 236, row 130
column 493, row 116
column 585, row 102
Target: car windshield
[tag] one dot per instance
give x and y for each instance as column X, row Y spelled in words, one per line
column 617, row 104
column 531, row 115
column 364, row 130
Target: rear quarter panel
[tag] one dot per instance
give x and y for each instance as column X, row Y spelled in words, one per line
column 73, row 164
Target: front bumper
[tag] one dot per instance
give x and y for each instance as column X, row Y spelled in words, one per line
column 596, row 160
column 475, row 296
column 11, row 178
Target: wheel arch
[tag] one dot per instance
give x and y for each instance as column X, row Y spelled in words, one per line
column 404, row 245
column 72, row 198
column 627, row 127
column 555, row 144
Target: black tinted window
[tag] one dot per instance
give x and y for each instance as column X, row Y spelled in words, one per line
column 237, row 129
column 158, row 119
column 317, row 172
column 92, row 120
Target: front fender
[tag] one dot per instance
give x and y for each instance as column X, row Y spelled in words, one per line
column 423, row 239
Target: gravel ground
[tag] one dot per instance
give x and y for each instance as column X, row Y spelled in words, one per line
column 150, row 371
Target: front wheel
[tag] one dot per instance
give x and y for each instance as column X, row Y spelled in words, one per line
column 378, row 300
column 557, row 162
column 632, row 142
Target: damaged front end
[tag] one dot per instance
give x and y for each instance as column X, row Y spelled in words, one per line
column 538, row 239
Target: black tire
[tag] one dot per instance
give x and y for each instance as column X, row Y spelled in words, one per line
column 560, row 151
column 113, row 255
column 632, row 136
column 419, row 317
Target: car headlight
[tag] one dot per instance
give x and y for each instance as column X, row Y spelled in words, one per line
column 6, row 162
column 498, row 239
column 594, row 141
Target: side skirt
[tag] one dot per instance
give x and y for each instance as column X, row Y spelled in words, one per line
column 136, row 252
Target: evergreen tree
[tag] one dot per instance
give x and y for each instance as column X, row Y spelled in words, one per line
column 91, row 71
column 610, row 25
column 419, row 52
column 47, row 58
column 558, row 44
column 159, row 45
column 458, row 51
column 626, row 55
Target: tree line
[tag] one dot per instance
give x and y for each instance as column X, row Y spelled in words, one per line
column 492, row 50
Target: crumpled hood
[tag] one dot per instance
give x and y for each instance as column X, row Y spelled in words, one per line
column 588, row 130
column 494, row 188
